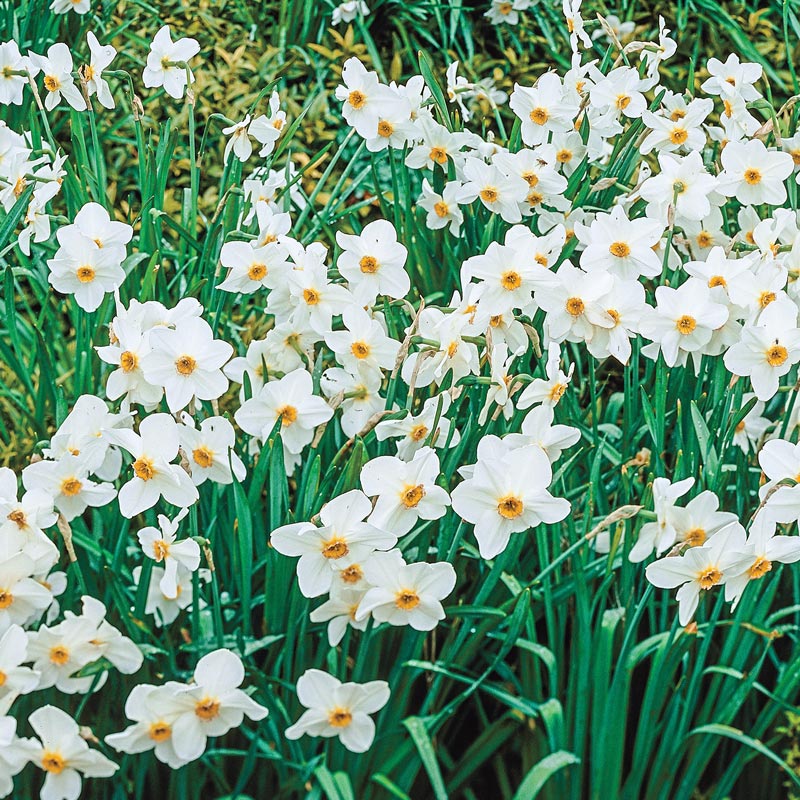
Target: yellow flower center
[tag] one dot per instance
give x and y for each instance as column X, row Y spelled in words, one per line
column 406, row 599
column 360, row 349
column 564, row 156
column 575, row 306
column 765, row 298
column 52, row 83
column 510, row 506
column 19, row 518
column 159, row 731
column 777, row 355
column 203, row 456
column 59, row 655
column 759, row 569
column 438, row 154
column 704, row 239
column 53, row 761
column 418, row 432
column 128, row 361
column 368, row 265
column 623, row 100
column 71, row 486
column 311, row 296
column 619, row 249
column 335, row 547
column 257, row 272
column 2, row 678
column 709, row 577
column 614, row 314
column 752, row 176
column 511, row 280
column 385, row 129
column 288, row 414
column 339, row 717
column 185, row 365
column 160, row 550
column 677, row 114
column 207, row 708
column 85, row 274
column 6, row 598
column 695, row 537
column 143, row 468
column 441, row 209
column 489, row 194
column 411, row 495
column 351, row 574
column 716, row 280
column 357, row 99
column 678, row 135
column 539, row 115
column 685, row 324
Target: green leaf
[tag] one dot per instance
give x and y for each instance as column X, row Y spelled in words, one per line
column 422, row 741
column 540, row 773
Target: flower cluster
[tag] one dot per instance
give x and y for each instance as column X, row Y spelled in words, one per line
column 688, row 261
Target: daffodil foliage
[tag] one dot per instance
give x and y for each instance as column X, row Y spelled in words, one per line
column 445, row 450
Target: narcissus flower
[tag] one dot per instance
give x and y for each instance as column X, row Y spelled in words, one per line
column 187, row 361
column 211, row 705
column 406, row 490
column 153, row 448
column 338, row 709
column 700, row 569
column 57, row 67
column 506, row 496
column 64, row 755
column 754, row 174
column 343, row 539
column 160, row 544
column 167, row 63
column 290, row 400
column 406, row 594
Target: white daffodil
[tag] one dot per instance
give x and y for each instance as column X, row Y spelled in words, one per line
column 187, row 361
column 406, row 594
column 343, row 539
column 405, row 490
column 57, row 68
column 64, row 755
column 160, row 545
column 167, row 63
column 338, row 709
column 153, row 448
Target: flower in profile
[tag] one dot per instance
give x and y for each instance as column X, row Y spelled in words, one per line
column 100, row 57
column 348, row 11
column 14, row 68
column 167, row 63
column 338, row 709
